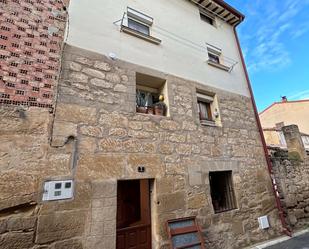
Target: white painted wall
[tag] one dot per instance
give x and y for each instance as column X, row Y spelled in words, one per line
column 92, row 28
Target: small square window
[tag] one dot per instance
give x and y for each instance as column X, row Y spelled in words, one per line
column 57, row 193
column 214, row 58
column 58, row 185
column 67, row 185
column 151, row 95
column 137, row 26
column 207, row 17
column 222, row 191
column 208, row 108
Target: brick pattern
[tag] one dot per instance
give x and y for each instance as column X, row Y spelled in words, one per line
column 31, row 37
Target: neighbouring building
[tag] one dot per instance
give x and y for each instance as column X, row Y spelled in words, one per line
column 291, row 172
column 284, row 113
column 137, row 113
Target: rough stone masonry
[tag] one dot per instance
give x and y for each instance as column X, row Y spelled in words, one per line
column 96, row 107
column 291, row 171
column 94, row 136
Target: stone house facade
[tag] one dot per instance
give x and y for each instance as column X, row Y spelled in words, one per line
column 178, row 164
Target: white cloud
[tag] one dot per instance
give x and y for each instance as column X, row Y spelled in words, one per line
column 300, row 95
column 270, row 26
column 300, row 30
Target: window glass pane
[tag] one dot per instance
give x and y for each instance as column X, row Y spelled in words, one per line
column 213, row 58
column 185, row 239
column 138, row 26
column 180, row 224
column 203, row 110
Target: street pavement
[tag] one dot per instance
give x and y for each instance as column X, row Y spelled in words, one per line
column 299, row 242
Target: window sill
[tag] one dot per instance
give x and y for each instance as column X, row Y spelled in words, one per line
column 217, row 65
column 152, row 116
column 135, row 33
column 208, row 123
column 225, row 210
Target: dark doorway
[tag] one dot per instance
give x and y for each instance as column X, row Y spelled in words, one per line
column 133, row 215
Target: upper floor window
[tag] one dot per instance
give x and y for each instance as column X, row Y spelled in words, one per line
column 214, row 54
column 208, row 109
column 207, row 17
column 216, row 59
column 138, row 24
column 132, row 24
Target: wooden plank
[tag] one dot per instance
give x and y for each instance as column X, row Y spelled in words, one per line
column 184, row 230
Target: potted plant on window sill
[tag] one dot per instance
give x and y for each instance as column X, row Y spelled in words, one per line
column 160, row 107
column 140, row 102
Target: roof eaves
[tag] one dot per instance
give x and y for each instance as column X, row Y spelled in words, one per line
column 231, row 9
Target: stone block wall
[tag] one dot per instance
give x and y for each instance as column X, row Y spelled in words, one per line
column 291, row 171
column 97, row 103
column 30, row 50
column 96, row 107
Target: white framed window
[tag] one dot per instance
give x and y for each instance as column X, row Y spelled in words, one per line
column 282, row 139
column 214, row 54
column 204, row 103
column 139, row 25
column 216, row 59
column 305, row 141
column 208, row 109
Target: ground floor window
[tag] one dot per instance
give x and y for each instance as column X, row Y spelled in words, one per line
column 222, row 191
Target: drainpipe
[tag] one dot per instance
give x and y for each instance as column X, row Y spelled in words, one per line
column 286, row 230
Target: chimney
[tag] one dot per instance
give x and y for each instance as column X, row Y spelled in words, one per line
column 294, row 142
column 284, row 99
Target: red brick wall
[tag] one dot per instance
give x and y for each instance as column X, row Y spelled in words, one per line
column 31, row 38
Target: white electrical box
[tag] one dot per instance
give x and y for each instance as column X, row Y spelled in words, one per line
column 263, row 222
column 58, row 190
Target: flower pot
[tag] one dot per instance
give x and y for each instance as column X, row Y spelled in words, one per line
column 150, row 110
column 141, row 109
column 158, row 111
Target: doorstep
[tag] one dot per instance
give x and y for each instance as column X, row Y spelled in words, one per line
column 277, row 240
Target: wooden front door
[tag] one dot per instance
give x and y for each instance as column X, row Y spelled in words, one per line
column 133, row 215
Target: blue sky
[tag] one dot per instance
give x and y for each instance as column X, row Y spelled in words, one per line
column 275, row 42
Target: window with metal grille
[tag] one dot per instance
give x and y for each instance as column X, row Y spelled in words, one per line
column 222, row 191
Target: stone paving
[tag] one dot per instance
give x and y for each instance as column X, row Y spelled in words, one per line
column 300, row 242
